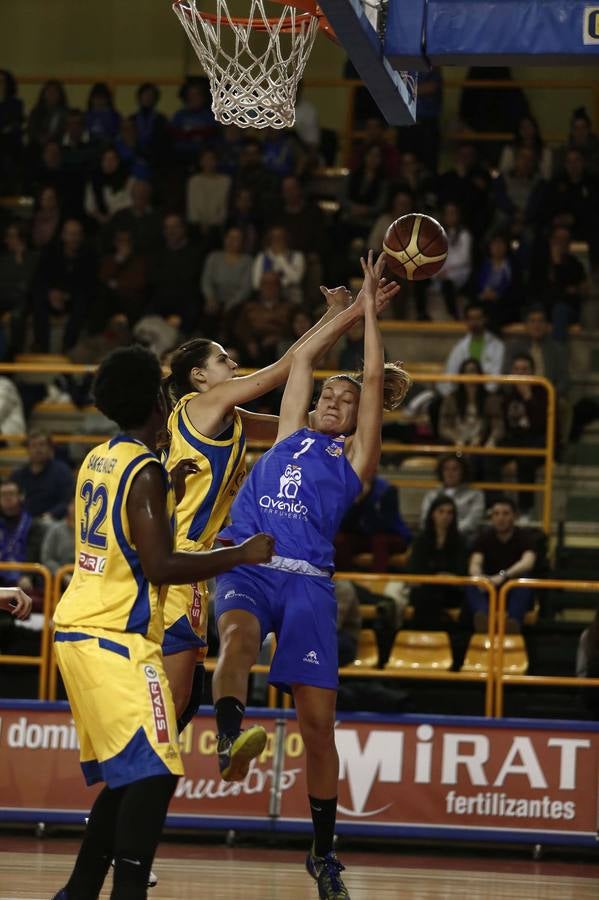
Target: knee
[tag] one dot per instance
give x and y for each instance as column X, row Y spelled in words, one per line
column 318, row 734
column 239, row 641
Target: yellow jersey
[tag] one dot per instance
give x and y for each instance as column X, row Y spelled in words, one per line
column 210, row 492
column 108, row 589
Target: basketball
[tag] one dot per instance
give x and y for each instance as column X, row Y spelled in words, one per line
column 416, row 247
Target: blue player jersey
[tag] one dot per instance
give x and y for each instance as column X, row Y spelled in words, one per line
column 299, row 492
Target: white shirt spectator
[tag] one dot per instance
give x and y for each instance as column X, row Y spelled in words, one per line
column 12, row 415
column 306, row 123
column 491, row 359
column 113, row 200
column 458, row 265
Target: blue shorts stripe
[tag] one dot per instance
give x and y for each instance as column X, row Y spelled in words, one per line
column 63, row 636
column 114, row 647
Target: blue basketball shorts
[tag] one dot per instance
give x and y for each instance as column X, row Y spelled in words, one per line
column 301, row 610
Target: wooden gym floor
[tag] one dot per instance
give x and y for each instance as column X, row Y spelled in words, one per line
column 31, row 869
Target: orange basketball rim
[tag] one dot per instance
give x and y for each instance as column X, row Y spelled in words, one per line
column 306, row 8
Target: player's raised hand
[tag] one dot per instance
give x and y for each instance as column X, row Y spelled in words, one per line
column 374, row 285
column 258, row 549
column 16, row 602
column 338, row 298
column 179, row 474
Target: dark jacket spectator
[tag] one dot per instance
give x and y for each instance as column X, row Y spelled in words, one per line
column 558, row 280
column 194, row 124
column 439, row 549
column 47, row 483
column 175, row 275
column 65, row 286
column 151, row 126
column 140, row 219
column 122, row 276
column 549, row 356
column 20, row 535
column 101, row 119
column 47, row 119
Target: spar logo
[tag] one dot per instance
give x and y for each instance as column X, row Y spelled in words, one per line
column 286, row 502
column 196, row 605
column 467, row 759
column 92, row 564
column 158, row 707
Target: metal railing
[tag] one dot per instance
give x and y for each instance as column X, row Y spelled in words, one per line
column 42, row 659
column 502, row 678
column 546, row 453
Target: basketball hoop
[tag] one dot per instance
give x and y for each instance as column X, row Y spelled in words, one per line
column 252, row 79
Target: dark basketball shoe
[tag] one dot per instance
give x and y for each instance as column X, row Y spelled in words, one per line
column 326, row 871
column 235, row 753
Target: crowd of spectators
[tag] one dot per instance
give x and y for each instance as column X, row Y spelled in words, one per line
column 150, row 228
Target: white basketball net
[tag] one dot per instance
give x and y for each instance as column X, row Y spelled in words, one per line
column 252, row 86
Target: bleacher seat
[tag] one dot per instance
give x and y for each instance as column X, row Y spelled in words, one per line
column 368, row 652
column 426, row 650
column 515, row 657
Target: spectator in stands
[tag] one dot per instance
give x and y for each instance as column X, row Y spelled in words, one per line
column 263, row 322
column 46, row 482
column 492, row 109
column 559, row 280
column 525, row 425
column 280, row 152
column 244, row 216
column 587, row 663
column 496, row 283
column 402, row 203
column 12, row 414
column 109, row 189
column 581, row 138
column 102, row 120
column 572, row 199
column 478, row 344
column 306, row 126
column 193, row 126
column 373, row 525
column 129, row 152
column 439, row 549
column 453, row 472
column 501, row 552
column 227, row 275
column 20, row 535
column 123, row 276
column 377, row 133
column 471, row 416
column 230, row 148
column 514, row 188
column 140, row 219
column 18, row 266
column 65, row 286
column 151, row 125
column 455, row 274
column 11, row 118
column 279, row 257
column 48, row 171
column 349, row 620
column 527, row 135
column 47, row 218
column 366, row 193
column 175, row 275
column 253, row 175
column 301, row 217
column 468, row 185
column 58, row 545
column 549, row 356
column 47, row 119
column 207, row 199
column 79, row 159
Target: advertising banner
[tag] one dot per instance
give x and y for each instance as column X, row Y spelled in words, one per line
column 399, row 776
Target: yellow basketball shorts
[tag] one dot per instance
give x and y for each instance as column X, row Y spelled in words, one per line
column 121, row 705
column 186, row 619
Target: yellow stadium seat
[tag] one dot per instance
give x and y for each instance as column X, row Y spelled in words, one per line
column 515, row 657
column 367, row 656
column 426, row 650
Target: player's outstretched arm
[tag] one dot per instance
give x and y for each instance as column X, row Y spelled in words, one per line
column 16, row 602
column 365, row 451
column 152, row 537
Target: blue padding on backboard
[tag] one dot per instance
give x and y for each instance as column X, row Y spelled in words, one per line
column 507, row 32
column 405, row 23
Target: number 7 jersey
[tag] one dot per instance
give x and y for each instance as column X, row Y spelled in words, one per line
column 108, row 589
column 299, row 492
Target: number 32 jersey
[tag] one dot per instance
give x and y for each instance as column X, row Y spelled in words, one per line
column 108, row 589
column 299, row 492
